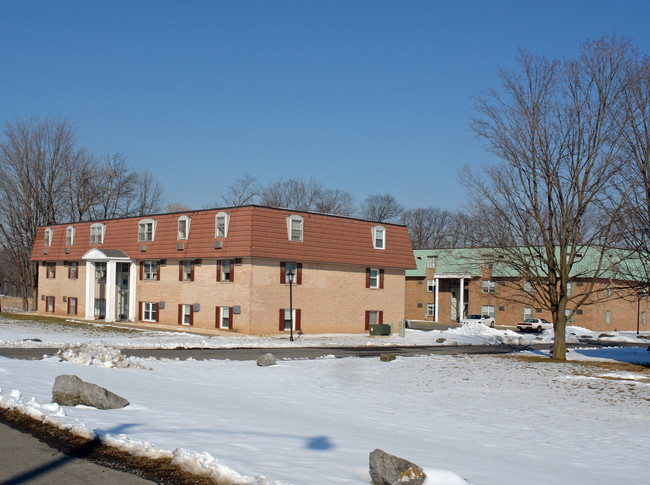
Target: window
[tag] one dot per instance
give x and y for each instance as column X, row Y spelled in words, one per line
column 642, row 320
column 528, row 313
column 97, row 232
column 149, row 312
column 186, row 270
column 226, row 270
column 149, row 270
column 431, row 286
column 431, row 308
column 289, row 319
column 72, row 305
column 69, row 236
column 222, row 220
column 569, row 319
column 183, row 227
column 379, row 237
column 528, row 287
column 49, row 302
column 431, row 261
column 296, row 268
column 488, row 286
column 374, row 278
column 608, row 289
column 73, row 270
column 295, row 228
column 488, row 310
column 185, row 315
column 224, row 317
column 608, row 317
column 100, row 271
column 48, row 237
column 100, row 308
column 146, row 230
column 569, row 288
column 373, row 317
column 51, row 270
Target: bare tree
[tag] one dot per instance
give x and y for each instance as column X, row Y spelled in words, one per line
column 178, row 207
column 149, row 194
column 305, row 195
column 245, row 190
column 555, row 129
column 116, row 187
column 381, row 208
column 36, row 156
column 428, row 227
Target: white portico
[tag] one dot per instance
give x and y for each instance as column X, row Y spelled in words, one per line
column 457, row 294
column 110, row 285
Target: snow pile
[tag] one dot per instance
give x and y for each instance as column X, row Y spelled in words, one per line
column 472, row 332
column 99, row 354
column 204, row 464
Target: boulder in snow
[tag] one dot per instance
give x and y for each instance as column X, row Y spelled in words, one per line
column 70, row 390
column 386, row 469
column 266, row 360
column 387, row 357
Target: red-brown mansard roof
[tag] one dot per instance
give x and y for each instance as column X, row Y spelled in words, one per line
column 253, row 231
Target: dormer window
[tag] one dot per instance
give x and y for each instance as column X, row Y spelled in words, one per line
column 295, row 226
column 146, row 230
column 97, row 232
column 379, row 237
column 69, row 235
column 183, row 227
column 222, row 219
column 48, row 237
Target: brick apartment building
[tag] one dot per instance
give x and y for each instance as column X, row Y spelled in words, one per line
column 227, row 269
column 450, row 283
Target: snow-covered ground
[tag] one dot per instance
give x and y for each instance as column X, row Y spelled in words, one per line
column 490, row 420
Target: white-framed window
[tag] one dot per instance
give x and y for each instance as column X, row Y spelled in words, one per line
column 528, row 313
column 295, row 228
column 374, row 278
column 569, row 288
column 488, row 286
column 642, row 320
column 293, row 267
column 73, row 270
column 149, row 311
column 431, row 309
column 50, row 304
column 431, row 286
column 188, row 270
column 150, row 270
column 431, row 261
column 488, row 310
column 608, row 317
column 222, row 221
column 100, row 308
column 225, row 270
column 187, row 315
column 289, row 317
column 373, row 317
column 608, row 289
column 224, row 317
column 183, row 227
column 48, row 237
column 97, row 232
column 528, row 287
column 100, row 270
column 51, row 270
column 69, row 235
column 569, row 319
column 72, row 305
column 379, row 237
column 146, row 230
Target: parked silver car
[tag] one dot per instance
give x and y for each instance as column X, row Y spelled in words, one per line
column 534, row 325
column 478, row 318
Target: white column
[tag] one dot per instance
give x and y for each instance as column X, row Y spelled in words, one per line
column 133, row 276
column 110, row 291
column 90, row 291
column 435, row 307
column 462, row 298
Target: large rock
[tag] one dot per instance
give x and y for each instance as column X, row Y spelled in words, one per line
column 386, row 469
column 266, row 360
column 70, row 390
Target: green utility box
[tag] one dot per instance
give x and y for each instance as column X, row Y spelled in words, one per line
column 381, row 329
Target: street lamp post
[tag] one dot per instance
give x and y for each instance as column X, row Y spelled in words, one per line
column 290, row 276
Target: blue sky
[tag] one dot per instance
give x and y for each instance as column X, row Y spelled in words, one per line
column 364, row 96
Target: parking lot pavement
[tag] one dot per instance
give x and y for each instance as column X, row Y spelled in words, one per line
column 24, row 459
